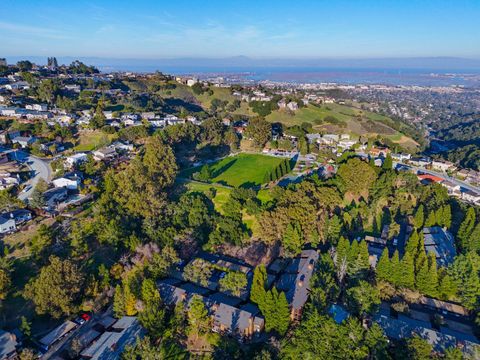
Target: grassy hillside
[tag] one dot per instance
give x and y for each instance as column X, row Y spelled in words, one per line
column 343, row 118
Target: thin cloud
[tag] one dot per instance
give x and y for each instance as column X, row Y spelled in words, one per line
column 32, row 30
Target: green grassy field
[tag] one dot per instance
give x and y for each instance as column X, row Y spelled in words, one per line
column 243, row 170
column 221, row 193
column 91, row 140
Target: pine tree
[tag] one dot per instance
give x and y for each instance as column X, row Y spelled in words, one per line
column 422, row 280
column 130, row 301
column 439, row 216
column 287, row 165
column 447, row 287
column 342, row 250
column 118, row 302
column 384, row 268
column 388, row 163
column 353, row 252
column 474, row 243
column 257, row 292
column 283, row 167
column 268, row 309
column 363, row 256
column 282, row 314
column 412, row 244
column 292, row 240
column 419, row 217
column 447, row 216
column 278, row 172
column 466, row 228
column 431, row 219
column 395, row 269
column 421, row 255
column 407, row 272
column 433, row 275
column 266, row 178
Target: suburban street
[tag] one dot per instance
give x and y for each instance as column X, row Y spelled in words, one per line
column 41, row 170
column 445, row 176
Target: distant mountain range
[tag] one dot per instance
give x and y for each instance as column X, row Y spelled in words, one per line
column 428, row 63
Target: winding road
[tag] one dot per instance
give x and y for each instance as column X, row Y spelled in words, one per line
column 41, row 170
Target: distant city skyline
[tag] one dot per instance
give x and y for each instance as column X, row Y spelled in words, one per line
column 257, row 29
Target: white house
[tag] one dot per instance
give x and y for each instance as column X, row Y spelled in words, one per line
column 37, row 107
column 471, row 196
column 292, row 105
column 76, row 159
column 442, row 166
column 70, row 181
column 105, row 153
column 23, row 141
column 7, row 224
column 191, row 82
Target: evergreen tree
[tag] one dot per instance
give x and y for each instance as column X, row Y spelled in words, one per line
column 421, row 255
column 257, row 292
column 342, row 250
column 422, row 280
column 278, row 172
column 419, row 217
column 412, row 244
column 447, row 216
column 292, row 240
column 433, row 275
column 363, row 256
column 395, row 269
column 287, row 165
column 388, row 163
column 130, row 301
column 447, row 287
column 384, row 268
column 439, row 216
column 431, row 219
column 407, row 272
column 118, row 302
column 474, row 241
column 352, row 254
column 282, row 314
column 466, row 228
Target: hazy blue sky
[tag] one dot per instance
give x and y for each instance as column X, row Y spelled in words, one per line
column 174, row 28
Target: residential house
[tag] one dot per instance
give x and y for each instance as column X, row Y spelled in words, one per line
column 282, row 104
column 54, row 196
column 401, row 157
column 292, row 106
column 440, row 242
column 105, row 154
column 37, row 107
column 443, row 165
column 110, row 345
column 23, row 141
column 8, row 345
column 76, row 159
column 295, row 281
column 20, row 216
column 70, row 181
column 452, row 188
column 192, row 81
column 7, row 224
column 379, row 151
column 420, row 161
column 470, row 196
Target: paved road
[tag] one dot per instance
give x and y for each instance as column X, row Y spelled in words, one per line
column 445, row 176
column 41, row 170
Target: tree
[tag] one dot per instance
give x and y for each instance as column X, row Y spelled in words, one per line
column 162, row 262
column 234, row 282
column 395, row 269
column 419, row 217
column 413, row 244
column 427, row 280
column 292, row 240
column 259, row 130
column 466, row 228
column 47, row 90
column 199, row 322
column 357, row 176
column 57, row 289
column 431, row 219
column 383, row 269
column 388, row 163
column 257, row 292
column 152, row 317
column 363, row 298
column 25, row 327
column 447, row 286
column 418, row 348
column 407, row 272
column 276, row 311
column 38, row 200
column 5, row 283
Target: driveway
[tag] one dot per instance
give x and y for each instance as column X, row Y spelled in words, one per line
column 40, row 168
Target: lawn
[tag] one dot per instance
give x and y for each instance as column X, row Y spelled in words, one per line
column 89, row 140
column 243, row 170
column 221, row 193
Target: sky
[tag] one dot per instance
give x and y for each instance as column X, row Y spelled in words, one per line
column 143, row 29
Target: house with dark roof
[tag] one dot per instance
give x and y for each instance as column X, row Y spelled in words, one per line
column 440, row 242
column 295, row 281
column 8, row 345
column 110, row 344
